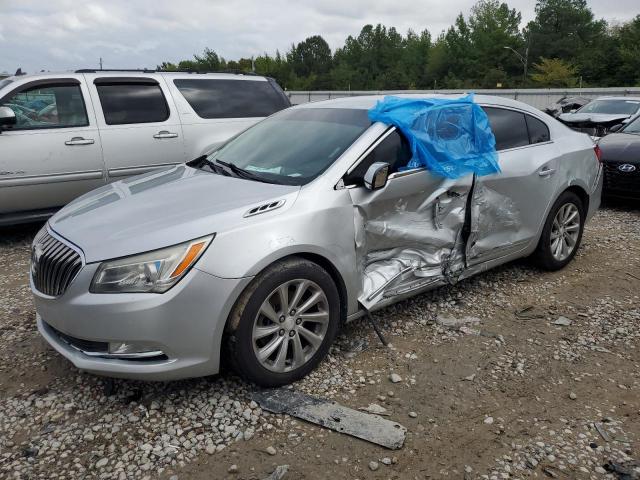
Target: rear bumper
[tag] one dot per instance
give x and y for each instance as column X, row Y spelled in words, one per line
column 182, row 327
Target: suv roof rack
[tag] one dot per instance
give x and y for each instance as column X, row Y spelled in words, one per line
column 153, row 70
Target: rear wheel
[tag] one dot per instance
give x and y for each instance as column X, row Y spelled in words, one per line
column 284, row 323
column 562, row 233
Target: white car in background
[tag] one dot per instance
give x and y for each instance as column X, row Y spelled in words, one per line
column 62, row 135
column 602, row 115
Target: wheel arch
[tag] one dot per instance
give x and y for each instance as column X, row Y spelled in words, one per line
column 314, row 257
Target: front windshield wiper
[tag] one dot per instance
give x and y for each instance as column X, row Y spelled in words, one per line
column 202, row 160
column 241, row 172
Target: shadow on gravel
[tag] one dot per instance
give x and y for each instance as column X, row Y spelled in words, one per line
column 23, row 233
column 621, row 205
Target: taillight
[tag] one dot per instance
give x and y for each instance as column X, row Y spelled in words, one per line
column 598, row 152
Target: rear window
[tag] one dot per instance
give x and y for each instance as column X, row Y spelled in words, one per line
column 538, row 130
column 212, row 98
column 124, row 103
column 509, row 128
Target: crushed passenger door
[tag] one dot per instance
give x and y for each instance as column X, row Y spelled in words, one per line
column 409, row 235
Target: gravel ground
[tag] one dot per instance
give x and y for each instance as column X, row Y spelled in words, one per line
column 515, row 373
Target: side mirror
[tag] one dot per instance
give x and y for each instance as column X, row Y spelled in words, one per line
column 616, row 127
column 376, row 176
column 7, row 117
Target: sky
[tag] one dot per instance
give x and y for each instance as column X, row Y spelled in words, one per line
column 69, row 34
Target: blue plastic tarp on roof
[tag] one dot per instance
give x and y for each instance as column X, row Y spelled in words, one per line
column 450, row 137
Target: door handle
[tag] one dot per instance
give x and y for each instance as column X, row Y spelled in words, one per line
column 165, row 134
column 546, row 172
column 79, row 141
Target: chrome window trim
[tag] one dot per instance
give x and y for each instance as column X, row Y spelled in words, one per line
column 371, row 147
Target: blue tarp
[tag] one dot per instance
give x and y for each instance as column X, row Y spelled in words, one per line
column 450, row 137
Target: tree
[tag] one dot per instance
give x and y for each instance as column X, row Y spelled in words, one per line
column 554, row 72
column 567, row 29
column 628, row 41
column 312, row 57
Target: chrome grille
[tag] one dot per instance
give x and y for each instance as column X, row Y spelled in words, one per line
column 54, row 265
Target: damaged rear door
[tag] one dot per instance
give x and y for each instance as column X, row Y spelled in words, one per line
column 409, row 234
column 509, row 207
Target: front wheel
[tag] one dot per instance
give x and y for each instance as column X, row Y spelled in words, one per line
column 284, row 323
column 562, row 233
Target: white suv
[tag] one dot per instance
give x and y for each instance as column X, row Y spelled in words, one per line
column 62, row 135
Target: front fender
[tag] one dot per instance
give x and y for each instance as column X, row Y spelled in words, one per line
column 327, row 232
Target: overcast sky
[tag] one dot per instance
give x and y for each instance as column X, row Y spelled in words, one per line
column 69, row 34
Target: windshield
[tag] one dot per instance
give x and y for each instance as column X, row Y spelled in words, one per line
column 633, row 127
column 296, row 145
column 614, row 107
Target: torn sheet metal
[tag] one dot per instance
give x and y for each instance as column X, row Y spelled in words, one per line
column 495, row 225
column 371, row 428
column 409, row 235
column 451, row 137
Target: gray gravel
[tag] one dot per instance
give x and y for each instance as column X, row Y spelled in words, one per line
column 58, row 423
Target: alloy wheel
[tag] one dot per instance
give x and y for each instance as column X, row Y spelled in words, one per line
column 565, row 231
column 291, row 325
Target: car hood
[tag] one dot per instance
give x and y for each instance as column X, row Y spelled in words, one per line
column 621, row 147
column 592, row 119
column 160, row 209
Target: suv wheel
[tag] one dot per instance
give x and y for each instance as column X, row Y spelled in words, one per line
column 284, row 323
column 562, row 233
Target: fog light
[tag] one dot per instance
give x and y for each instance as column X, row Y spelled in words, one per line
column 121, row 348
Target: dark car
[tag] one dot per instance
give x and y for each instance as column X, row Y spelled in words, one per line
column 621, row 158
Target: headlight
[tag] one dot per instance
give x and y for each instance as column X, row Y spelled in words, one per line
column 155, row 271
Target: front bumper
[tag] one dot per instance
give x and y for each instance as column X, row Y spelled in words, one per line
column 182, row 326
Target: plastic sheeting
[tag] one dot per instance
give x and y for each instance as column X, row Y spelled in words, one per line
column 450, row 137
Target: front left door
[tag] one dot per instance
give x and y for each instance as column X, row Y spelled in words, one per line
column 409, row 234
column 139, row 125
column 53, row 153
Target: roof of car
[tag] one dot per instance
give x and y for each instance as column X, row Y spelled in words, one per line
column 365, row 102
column 136, row 73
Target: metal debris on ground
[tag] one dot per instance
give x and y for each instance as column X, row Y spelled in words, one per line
column 624, row 471
column 600, row 429
column 332, row 415
column 278, row 473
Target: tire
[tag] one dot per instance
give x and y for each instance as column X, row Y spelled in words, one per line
column 569, row 234
column 271, row 347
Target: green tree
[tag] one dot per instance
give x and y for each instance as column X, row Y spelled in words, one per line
column 554, row 72
column 628, row 42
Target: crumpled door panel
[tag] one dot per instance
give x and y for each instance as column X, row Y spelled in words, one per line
column 404, row 243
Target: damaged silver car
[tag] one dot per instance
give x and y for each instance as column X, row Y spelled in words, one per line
column 257, row 254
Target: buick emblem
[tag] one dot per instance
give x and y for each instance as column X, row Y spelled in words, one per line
column 627, row 168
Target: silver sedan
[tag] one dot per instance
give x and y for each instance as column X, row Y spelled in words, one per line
column 257, row 254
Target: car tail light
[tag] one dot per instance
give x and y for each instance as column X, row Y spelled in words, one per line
column 598, row 152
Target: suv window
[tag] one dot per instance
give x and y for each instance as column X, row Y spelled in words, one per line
column 394, row 150
column 213, row 98
column 538, row 130
column 136, row 102
column 509, row 128
column 48, row 106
